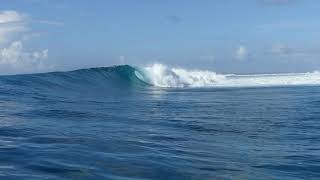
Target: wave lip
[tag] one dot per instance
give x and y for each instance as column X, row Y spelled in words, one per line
column 162, row 76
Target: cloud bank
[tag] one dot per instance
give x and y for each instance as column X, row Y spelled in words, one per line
column 14, row 57
column 11, row 23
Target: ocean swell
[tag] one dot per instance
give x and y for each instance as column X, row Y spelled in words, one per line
column 156, row 75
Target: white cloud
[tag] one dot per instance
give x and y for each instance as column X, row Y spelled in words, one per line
column 15, row 59
column 10, row 16
column 241, row 53
column 11, row 23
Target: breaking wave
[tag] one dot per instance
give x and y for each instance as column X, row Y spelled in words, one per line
column 163, row 76
column 156, row 75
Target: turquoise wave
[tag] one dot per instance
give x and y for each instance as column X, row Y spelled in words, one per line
column 102, row 78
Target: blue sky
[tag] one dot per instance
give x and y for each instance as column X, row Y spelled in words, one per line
column 247, row 36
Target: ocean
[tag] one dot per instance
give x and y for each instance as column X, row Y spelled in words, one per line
column 156, row 122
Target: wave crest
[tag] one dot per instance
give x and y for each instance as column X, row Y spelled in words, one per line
column 158, row 75
column 163, row 76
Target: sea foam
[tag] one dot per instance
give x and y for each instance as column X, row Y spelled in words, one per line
column 164, row 76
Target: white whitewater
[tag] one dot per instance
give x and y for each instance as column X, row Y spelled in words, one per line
column 163, row 76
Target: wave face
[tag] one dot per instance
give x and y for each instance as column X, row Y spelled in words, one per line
column 163, row 76
column 157, row 75
column 93, row 80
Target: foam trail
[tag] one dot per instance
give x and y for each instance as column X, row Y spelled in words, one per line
column 163, row 76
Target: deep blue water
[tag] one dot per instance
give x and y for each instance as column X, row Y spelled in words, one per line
column 106, row 124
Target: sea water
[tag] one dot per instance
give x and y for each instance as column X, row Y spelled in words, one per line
column 157, row 122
